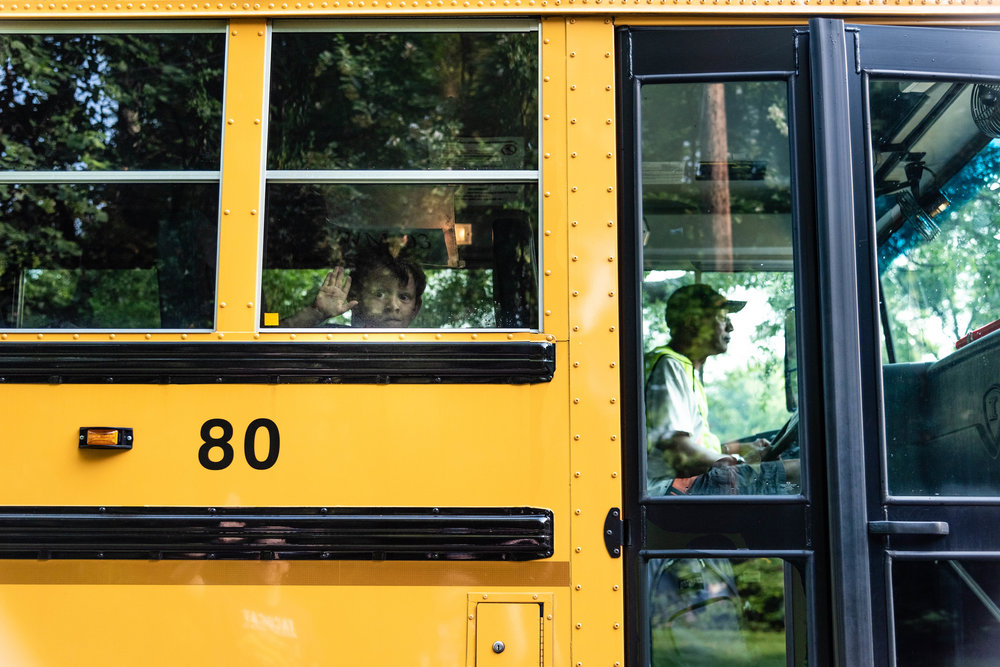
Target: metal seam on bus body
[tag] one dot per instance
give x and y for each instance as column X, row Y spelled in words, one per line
column 241, row 162
column 590, row 138
column 375, row 9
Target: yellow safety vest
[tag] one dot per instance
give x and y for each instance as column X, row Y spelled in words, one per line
column 708, row 439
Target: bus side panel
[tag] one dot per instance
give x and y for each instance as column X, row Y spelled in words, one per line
column 366, row 446
column 255, row 613
column 348, row 445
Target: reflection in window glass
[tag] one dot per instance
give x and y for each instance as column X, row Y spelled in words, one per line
column 136, row 249
column 395, row 100
column 947, row 613
column 718, row 289
column 100, row 256
column 718, row 612
column 471, row 245
column 74, row 102
column 937, row 186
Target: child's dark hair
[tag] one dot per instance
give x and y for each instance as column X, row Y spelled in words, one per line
column 369, row 260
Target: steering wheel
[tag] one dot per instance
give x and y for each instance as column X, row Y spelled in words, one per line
column 785, row 438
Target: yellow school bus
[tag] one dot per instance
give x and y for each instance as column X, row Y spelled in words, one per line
column 387, row 332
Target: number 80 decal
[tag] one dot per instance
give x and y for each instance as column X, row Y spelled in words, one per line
column 208, row 443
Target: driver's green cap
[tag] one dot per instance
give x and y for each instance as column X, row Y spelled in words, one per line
column 691, row 301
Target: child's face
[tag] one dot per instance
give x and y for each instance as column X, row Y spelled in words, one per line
column 384, row 302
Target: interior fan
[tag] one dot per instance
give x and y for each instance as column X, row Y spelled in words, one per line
column 986, row 108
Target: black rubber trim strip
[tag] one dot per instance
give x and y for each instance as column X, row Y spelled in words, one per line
column 259, row 533
column 522, row 362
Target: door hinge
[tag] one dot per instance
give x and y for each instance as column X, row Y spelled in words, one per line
column 614, row 532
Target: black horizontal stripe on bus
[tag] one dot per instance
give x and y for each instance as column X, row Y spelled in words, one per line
column 284, row 533
column 522, row 362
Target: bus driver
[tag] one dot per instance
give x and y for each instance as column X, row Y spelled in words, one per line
column 683, row 455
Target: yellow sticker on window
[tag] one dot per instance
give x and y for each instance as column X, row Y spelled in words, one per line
column 270, row 319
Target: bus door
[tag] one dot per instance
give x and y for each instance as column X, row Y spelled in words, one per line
column 814, row 430
column 925, row 107
column 726, row 498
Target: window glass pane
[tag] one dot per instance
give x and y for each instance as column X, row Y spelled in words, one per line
column 101, row 256
column 472, row 245
column 397, row 100
column 718, row 289
column 73, row 102
column 937, row 186
column 946, row 613
column 719, row 612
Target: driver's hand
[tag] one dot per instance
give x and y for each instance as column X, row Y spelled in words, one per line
column 754, row 451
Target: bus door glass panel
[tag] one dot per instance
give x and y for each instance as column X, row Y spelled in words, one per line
column 936, row 166
column 417, row 149
column 717, row 288
column 717, row 291
column 937, row 180
column 946, row 611
column 116, row 226
column 718, row 611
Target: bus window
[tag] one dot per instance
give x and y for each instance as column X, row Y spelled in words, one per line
column 419, row 146
column 403, row 100
column 937, row 177
column 109, row 194
column 717, row 285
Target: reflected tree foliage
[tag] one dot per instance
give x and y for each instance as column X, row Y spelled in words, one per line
column 117, row 255
column 402, row 100
column 936, row 285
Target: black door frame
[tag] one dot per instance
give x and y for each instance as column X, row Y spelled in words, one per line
column 849, row 612
column 790, row 527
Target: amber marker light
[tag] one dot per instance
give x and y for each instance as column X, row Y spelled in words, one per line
column 101, row 437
